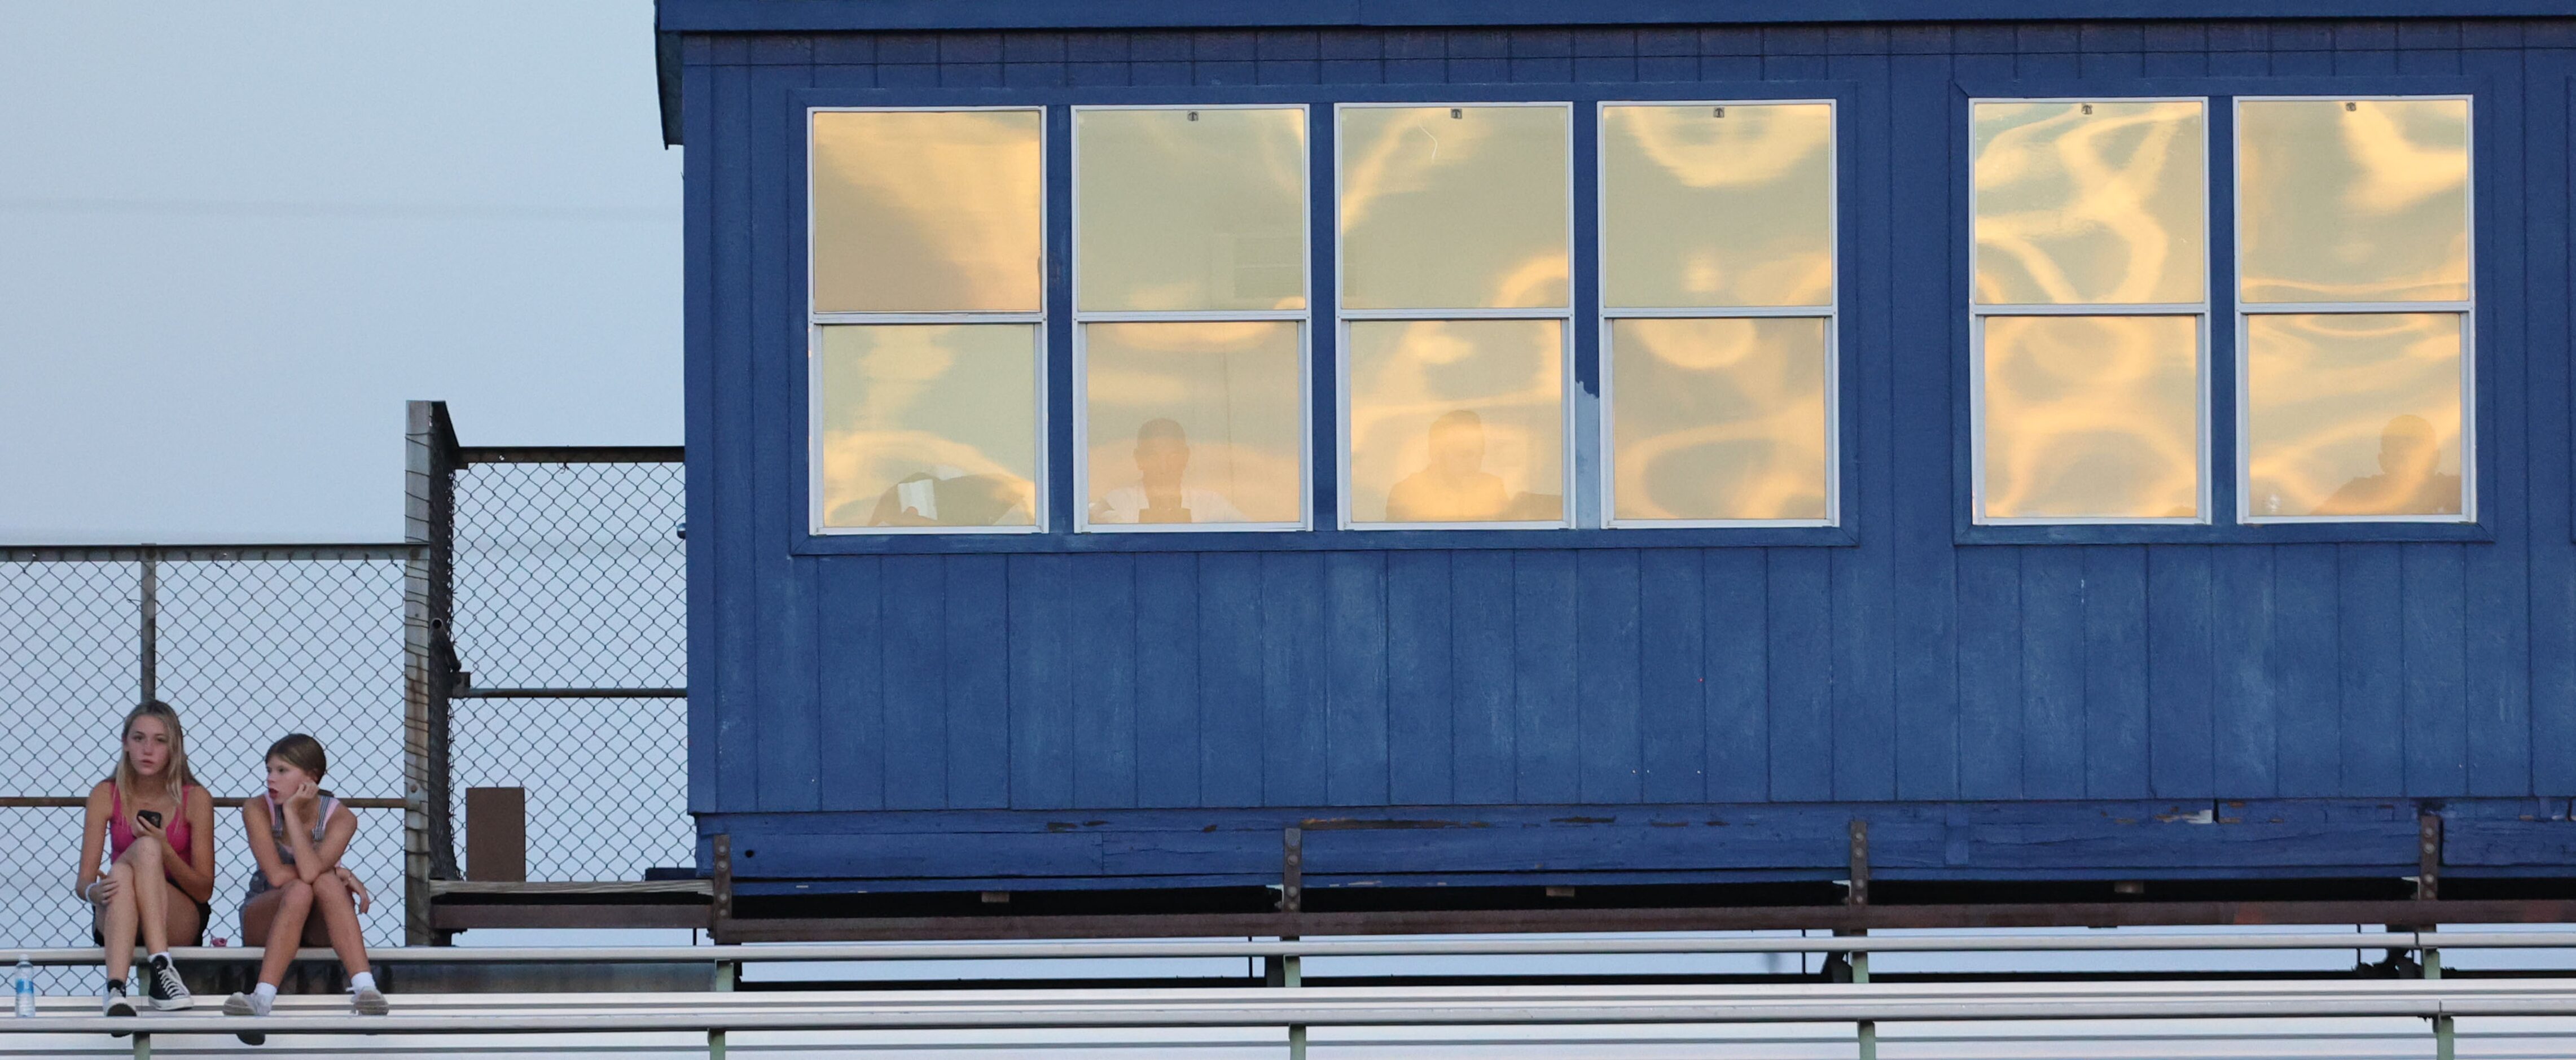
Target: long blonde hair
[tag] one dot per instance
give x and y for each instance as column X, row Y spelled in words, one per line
column 175, row 774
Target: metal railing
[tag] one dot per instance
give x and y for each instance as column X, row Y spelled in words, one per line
column 1406, row 946
column 551, row 643
column 1294, row 1008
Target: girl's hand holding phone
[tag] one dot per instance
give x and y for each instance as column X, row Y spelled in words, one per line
column 147, row 825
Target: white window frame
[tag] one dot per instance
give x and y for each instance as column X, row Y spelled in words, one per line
column 817, row 320
column 1606, row 491
column 1302, row 317
column 2466, row 310
column 1346, row 316
column 2199, row 311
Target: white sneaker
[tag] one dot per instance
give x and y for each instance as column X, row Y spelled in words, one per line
column 113, row 1002
column 246, row 1005
column 368, row 1001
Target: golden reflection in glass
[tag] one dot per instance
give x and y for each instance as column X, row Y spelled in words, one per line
column 2353, row 201
column 2353, row 414
column 928, row 424
column 2089, row 203
column 1457, row 421
column 1191, row 209
column 2091, row 417
column 927, row 211
column 1717, row 206
column 1193, row 422
column 1463, row 212
column 1719, row 418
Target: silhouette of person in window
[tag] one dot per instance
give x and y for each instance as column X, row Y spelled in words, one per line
column 2410, row 480
column 1454, row 487
column 1163, row 459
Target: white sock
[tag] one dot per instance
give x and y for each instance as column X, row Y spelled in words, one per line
column 261, row 997
column 362, row 981
column 159, row 959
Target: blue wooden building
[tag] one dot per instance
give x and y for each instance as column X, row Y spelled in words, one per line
column 1626, row 441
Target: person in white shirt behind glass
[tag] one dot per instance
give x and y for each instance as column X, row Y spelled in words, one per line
column 1163, row 458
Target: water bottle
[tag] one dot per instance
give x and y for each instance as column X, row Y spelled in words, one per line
column 23, row 981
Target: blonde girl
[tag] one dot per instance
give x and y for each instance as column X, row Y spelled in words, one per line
column 158, row 827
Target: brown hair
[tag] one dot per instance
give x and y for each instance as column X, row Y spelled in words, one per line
column 303, row 752
column 175, row 774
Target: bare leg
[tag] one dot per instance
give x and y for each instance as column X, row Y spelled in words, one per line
column 186, row 926
column 340, row 916
column 285, row 915
column 151, row 894
column 117, row 921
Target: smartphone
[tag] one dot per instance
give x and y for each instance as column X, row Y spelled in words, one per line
column 150, row 817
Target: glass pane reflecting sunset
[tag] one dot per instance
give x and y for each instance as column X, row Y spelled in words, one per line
column 1191, row 209
column 1465, row 212
column 2353, row 201
column 2085, row 203
column 2091, row 417
column 926, row 211
column 1457, row 421
column 1719, row 418
column 2353, row 414
column 1700, row 209
column 927, row 425
column 1194, row 422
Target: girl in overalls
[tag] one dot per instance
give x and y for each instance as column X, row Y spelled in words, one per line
column 301, row 895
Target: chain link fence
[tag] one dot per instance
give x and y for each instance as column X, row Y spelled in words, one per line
column 572, row 634
column 532, row 634
column 249, row 645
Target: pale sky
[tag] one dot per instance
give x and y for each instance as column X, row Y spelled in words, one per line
column 235, row 237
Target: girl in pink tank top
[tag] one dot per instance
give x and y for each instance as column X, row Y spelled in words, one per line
column 158, row 878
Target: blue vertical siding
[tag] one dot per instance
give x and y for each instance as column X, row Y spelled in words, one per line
column 1903, row 665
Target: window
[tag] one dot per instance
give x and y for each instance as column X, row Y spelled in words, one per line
column 2355, row 306
column 1718, row 299
column 1190, row 280
column 2089, row 307
column 928, row 269
column 1456, row 310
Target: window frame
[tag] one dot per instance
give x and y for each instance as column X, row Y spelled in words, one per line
column 1303, row 317
column 816, row 320
column 1344, row 317
column 2226, row 527
column 2201, row 311
column 2464, row 309
column 1605, row 492
column 783, row 433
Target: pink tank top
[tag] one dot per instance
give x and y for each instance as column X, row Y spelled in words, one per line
column 120, row 834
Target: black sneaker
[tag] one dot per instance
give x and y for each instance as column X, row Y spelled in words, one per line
column 112, row 1002
column 168, row 994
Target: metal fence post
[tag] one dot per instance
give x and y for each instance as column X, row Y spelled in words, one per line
column 429, row 494
column 148, row 632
